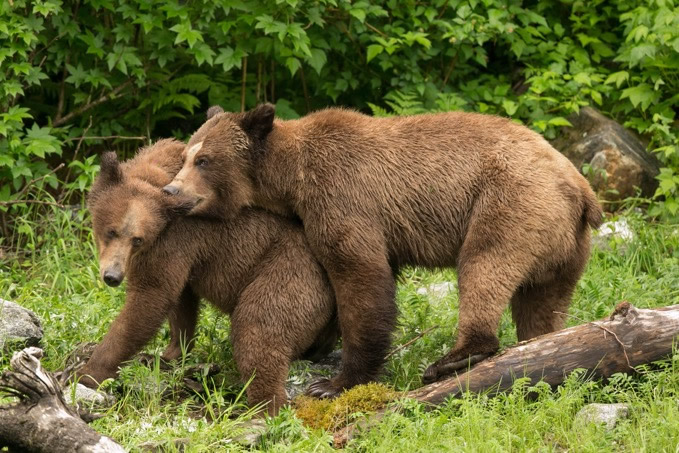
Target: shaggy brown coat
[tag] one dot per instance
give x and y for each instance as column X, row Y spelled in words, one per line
column 477, row 192
column 256, row 267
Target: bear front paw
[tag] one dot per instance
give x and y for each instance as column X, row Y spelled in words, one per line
column 450, row 364
column 324, row 388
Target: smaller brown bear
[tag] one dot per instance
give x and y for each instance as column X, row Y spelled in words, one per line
column 256, row 267
column 478, row 192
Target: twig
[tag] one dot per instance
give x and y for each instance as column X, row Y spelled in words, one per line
column 107, row 137
column 376, row 30
column 273, row 83
column 35, row 180
column 622, row 345
column 304, row 89
column 62, row 90
column 453, row 62
column 405, row 345
column 77, row 148
column 47, row 203
column 259, row 80
column 242, row 87
column 103, row 98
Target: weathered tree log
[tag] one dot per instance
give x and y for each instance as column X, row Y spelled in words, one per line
column 628, row 338
column 41, row 421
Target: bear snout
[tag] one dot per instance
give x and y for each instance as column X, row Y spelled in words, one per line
column 113, row 277
column 171, row 190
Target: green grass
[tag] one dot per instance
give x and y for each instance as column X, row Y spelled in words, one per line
column 54, row 273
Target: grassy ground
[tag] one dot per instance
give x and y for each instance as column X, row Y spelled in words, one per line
column 55, row 274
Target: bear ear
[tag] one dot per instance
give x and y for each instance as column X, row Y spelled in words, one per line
column 110, row 173
column 214, row 110
column 258, row 122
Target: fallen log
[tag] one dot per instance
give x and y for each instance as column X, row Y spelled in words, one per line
column 41, row 421
column 628, row 338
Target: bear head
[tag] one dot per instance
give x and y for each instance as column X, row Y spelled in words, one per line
column 217, row 176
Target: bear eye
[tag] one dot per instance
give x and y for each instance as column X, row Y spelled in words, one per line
column 111, row 234
column 136, row 242
column 201, row 162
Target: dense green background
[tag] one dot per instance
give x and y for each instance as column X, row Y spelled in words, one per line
column 150, row 68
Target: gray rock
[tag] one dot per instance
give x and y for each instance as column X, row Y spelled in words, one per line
column 610, row 150
column 437, row 291
column 169, row 445
column 87, row 395
column 252, row 433
column 607, row 414
column 617, row 229
column 18, row 326
column 303, row 373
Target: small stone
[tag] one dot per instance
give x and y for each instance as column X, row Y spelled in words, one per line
column 253, row 430
column 174, row 445
column 303, row 373
column 437, row 291
column 18, row 326
column 607, row 414
column 87, row 395
column 610, row 230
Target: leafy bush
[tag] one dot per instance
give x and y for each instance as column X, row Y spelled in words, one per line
column 131, row 71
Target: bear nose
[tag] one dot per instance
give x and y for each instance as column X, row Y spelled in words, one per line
column 171, row 190
column 113, row 278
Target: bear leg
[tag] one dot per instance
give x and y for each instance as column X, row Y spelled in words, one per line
column 487, row 281
column 363, row 281
column 539, row 308
column 182, row 319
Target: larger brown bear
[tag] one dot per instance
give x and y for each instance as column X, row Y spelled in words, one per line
column 257, row 268
column 478, row 192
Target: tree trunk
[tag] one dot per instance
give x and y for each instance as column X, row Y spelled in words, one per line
column 41, row 421
column 628, row 338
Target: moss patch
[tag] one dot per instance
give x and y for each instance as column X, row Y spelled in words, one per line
column 334, row 414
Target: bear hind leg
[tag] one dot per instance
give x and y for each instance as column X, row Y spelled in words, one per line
column 540, row 308
column 487, row 282
column 182, row 320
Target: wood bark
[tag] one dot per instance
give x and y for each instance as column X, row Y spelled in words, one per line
column 628, row 338
column 41, row 421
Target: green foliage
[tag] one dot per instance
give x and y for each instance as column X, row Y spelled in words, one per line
column 150, row 68
column 57, row 278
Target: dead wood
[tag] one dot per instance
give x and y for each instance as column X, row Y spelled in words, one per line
column 630, row 337
column 41, row 421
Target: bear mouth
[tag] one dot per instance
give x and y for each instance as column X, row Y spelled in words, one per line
column 196, row 203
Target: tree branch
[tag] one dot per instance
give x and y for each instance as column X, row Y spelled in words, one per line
column 90, row 105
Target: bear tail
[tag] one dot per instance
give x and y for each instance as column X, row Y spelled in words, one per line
column 592, row 213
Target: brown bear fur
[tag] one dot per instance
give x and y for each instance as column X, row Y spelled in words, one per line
column 256, row 267
column 477, row 192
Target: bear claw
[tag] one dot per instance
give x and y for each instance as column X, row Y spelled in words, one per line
column 438, row 370
column 323, row 389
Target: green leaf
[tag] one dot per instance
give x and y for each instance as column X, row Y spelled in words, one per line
column 293, row 64
column 6, row 161
column 373, row 51
column 358, row 13
column 640, row 95
column 317, row 60
column 510, row 106
column 559, row 121
column 642, row 51
column 618, row 78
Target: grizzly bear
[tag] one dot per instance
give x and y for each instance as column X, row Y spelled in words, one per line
column 478, row 192
column 256, row 267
